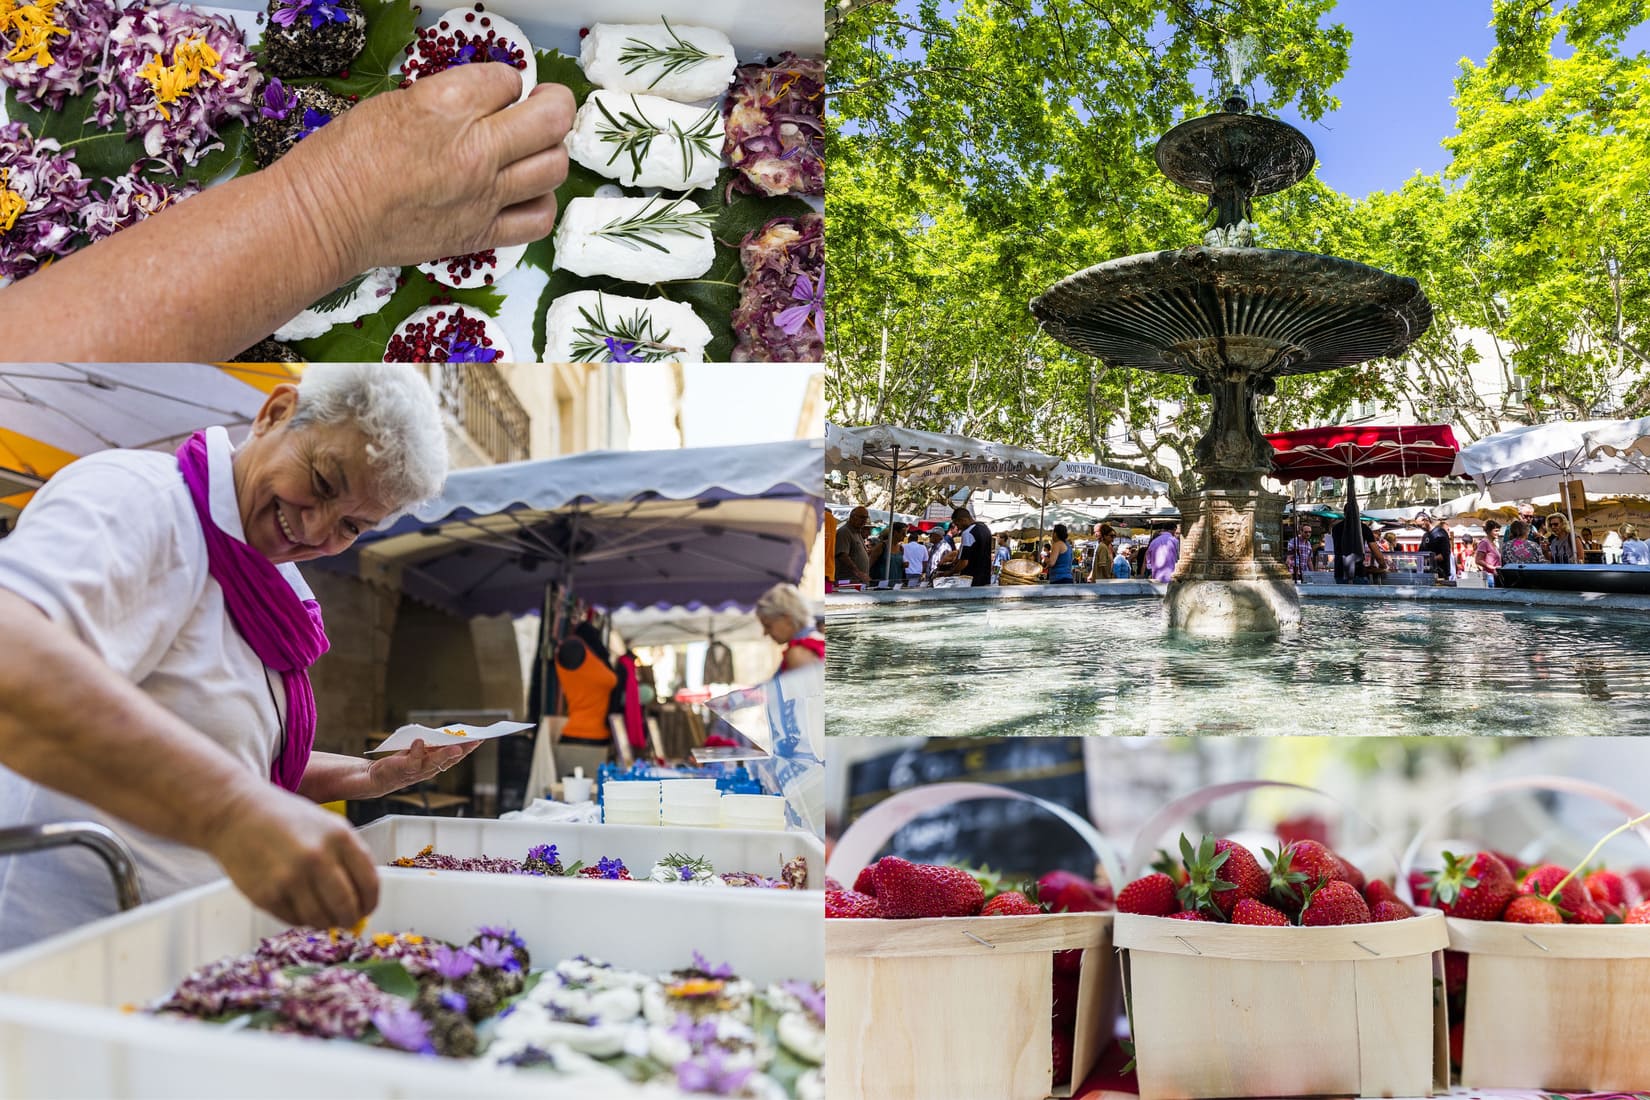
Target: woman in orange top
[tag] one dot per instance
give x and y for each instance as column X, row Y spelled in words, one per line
column 587, row 687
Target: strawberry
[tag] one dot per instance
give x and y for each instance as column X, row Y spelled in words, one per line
column 833, row 884
column 1476, row 887
column 850, row 903
column 1068, row 962
column 1640, row 877
column 1455, row 972
column 1376, row 891
column 1638, row 914
column 1250, row 911
column 1420, row 888
column 1152, row 896
column 1390, row 910
column 1457, row 1040
column 866, row 882
column 1066, row 989
column 1350, row 873
column 1531, row 909
column 1063, row 1042
column 1218, row 874
column 1009, row 903
column 1064, row 892
column 1297, row 866
column 1334, row 903
column 1514, row 864
column 1573, row 900
column 1606, row 886
column 1189, row 914
column 906, row 889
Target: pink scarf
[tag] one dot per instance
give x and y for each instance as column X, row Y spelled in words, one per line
column 284, row 631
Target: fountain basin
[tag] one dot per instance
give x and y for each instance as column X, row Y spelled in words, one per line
column 1203, row 311
column 1365, row 660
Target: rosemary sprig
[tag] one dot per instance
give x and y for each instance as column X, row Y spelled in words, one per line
column 632, row 133
column 678, row 216
column 638, row 55
column 337, row 298
column 590, row 343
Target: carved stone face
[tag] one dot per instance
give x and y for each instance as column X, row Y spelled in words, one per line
column 1233, row 534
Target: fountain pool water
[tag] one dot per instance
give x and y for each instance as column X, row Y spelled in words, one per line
column 1356, row 666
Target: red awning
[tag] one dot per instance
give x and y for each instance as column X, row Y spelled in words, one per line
column 1372, row 450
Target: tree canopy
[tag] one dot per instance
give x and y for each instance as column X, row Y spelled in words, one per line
column 982, row 150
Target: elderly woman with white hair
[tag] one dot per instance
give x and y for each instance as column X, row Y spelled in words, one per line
column 158, row 637
column 786, row 618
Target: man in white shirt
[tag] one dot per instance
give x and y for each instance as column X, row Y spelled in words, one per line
column 916, row 559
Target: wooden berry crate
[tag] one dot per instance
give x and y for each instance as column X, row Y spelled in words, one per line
column 959, row 1007
column 1563, row 1006
column 1224, row 1011
column 1552, row 1006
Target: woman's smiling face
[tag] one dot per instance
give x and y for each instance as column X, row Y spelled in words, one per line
column 305, row 492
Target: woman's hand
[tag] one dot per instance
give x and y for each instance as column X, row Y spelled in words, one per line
column 451, row 165
column 402, row 769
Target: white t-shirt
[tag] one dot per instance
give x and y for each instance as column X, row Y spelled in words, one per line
column 916, row 557
column 111, row 548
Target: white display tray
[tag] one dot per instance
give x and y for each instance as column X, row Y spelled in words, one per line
column 757, row 28
column 63, row 1034
column 640, row 846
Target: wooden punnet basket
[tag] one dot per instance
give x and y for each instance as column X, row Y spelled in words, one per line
column 1553, row 1006
column 958, row 1008
column 1224, row 1011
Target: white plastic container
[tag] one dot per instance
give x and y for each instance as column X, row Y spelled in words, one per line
column 753, row 811
column 631, row 802
column 63, row 1034
column 763, row 852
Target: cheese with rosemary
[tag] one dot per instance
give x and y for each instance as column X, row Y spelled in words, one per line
column 648, row 141
column 679, row 62
column 590, row 326
column 646, row 240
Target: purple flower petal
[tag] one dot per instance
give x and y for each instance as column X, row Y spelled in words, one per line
column 404, row 1029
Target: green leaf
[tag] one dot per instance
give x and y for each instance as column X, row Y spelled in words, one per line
column 786, row 1067
column 581, row 183
column 392, row 25
column 555, row 67
column 388, row 975
column 99, row 153
column 346, row 343
column 234, row 155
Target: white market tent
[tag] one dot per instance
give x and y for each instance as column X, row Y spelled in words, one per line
column 895, row 451
column 1064, row 482
column 1605, row 456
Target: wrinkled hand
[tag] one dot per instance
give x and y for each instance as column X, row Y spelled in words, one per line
column 414, row 765
column 448, row 166
column 293, row 859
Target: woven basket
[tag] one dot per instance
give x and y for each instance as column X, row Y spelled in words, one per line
column 1020, row 571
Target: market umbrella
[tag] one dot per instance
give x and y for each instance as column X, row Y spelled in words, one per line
column 1065, row 481
column 1606, row 456
column 1042, row 519
column 710, row 527
column 53, row 413
column 894, row 450
column 666, row 626
column 1366, row 450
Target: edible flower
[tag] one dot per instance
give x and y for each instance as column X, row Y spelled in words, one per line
column 12, row 204
column 710, row 1073
column 509, row 935
column 702, row 965
column 622, row 351
column 404, row 1029
column 313, row 121
column 197, row 57
column 609, row 868
column 279, row 100
column 697, row 1035
column 319, row 11
column 455, row 1002
column 491, row 953
column 494, row 53
column 466, row 351
column 812, row 297
column 812, row 998
column 35, row 30
column 190, row 58
column 452, row 965
column 686, row 874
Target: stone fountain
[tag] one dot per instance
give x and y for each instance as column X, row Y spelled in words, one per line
column 1235, row 318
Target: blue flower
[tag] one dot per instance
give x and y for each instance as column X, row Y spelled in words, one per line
column 455, row 1002
column 702, row 965
column 404, row 1029
column 711, row 1073
column 812, row 297
column 491, row 953
column 610, row 868
column 464, row 351
column 319, row 11
column 687, row 874
column 507, row 935
column 623, row 351
column 452, row 965
column 313, row 121
column 278, row 100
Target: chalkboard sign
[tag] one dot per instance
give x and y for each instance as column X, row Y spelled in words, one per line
column 1012, row 837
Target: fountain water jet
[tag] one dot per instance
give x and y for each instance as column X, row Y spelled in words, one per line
column 1235, row 318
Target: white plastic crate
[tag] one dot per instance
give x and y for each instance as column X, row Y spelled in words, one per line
column 760, row 851
column 63, row 1034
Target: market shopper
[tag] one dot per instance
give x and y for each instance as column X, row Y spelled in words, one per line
column 974, row 545
column 1163, row 554
column 853, row 561
column 1435, row 543
column 1520, row 549
column 1059, row 568
column 786, row 619
column 1300, row 552
column 157, row 640
column 1634, row 550
column 1104, row 552
column 1561, row 544
column 1487, row 556
column 916, row 558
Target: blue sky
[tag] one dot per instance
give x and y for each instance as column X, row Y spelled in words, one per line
column 1395, row 96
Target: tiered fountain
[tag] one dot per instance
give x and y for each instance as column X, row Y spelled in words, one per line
column 1234, row 317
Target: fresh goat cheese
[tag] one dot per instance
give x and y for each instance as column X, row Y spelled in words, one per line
column 589, row 326
column 647, row 240
column 687, row 64
column 648, row 141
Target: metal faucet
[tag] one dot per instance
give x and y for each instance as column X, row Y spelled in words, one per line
column 116, row 856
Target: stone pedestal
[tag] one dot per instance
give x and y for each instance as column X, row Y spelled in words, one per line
column 1230, row 579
